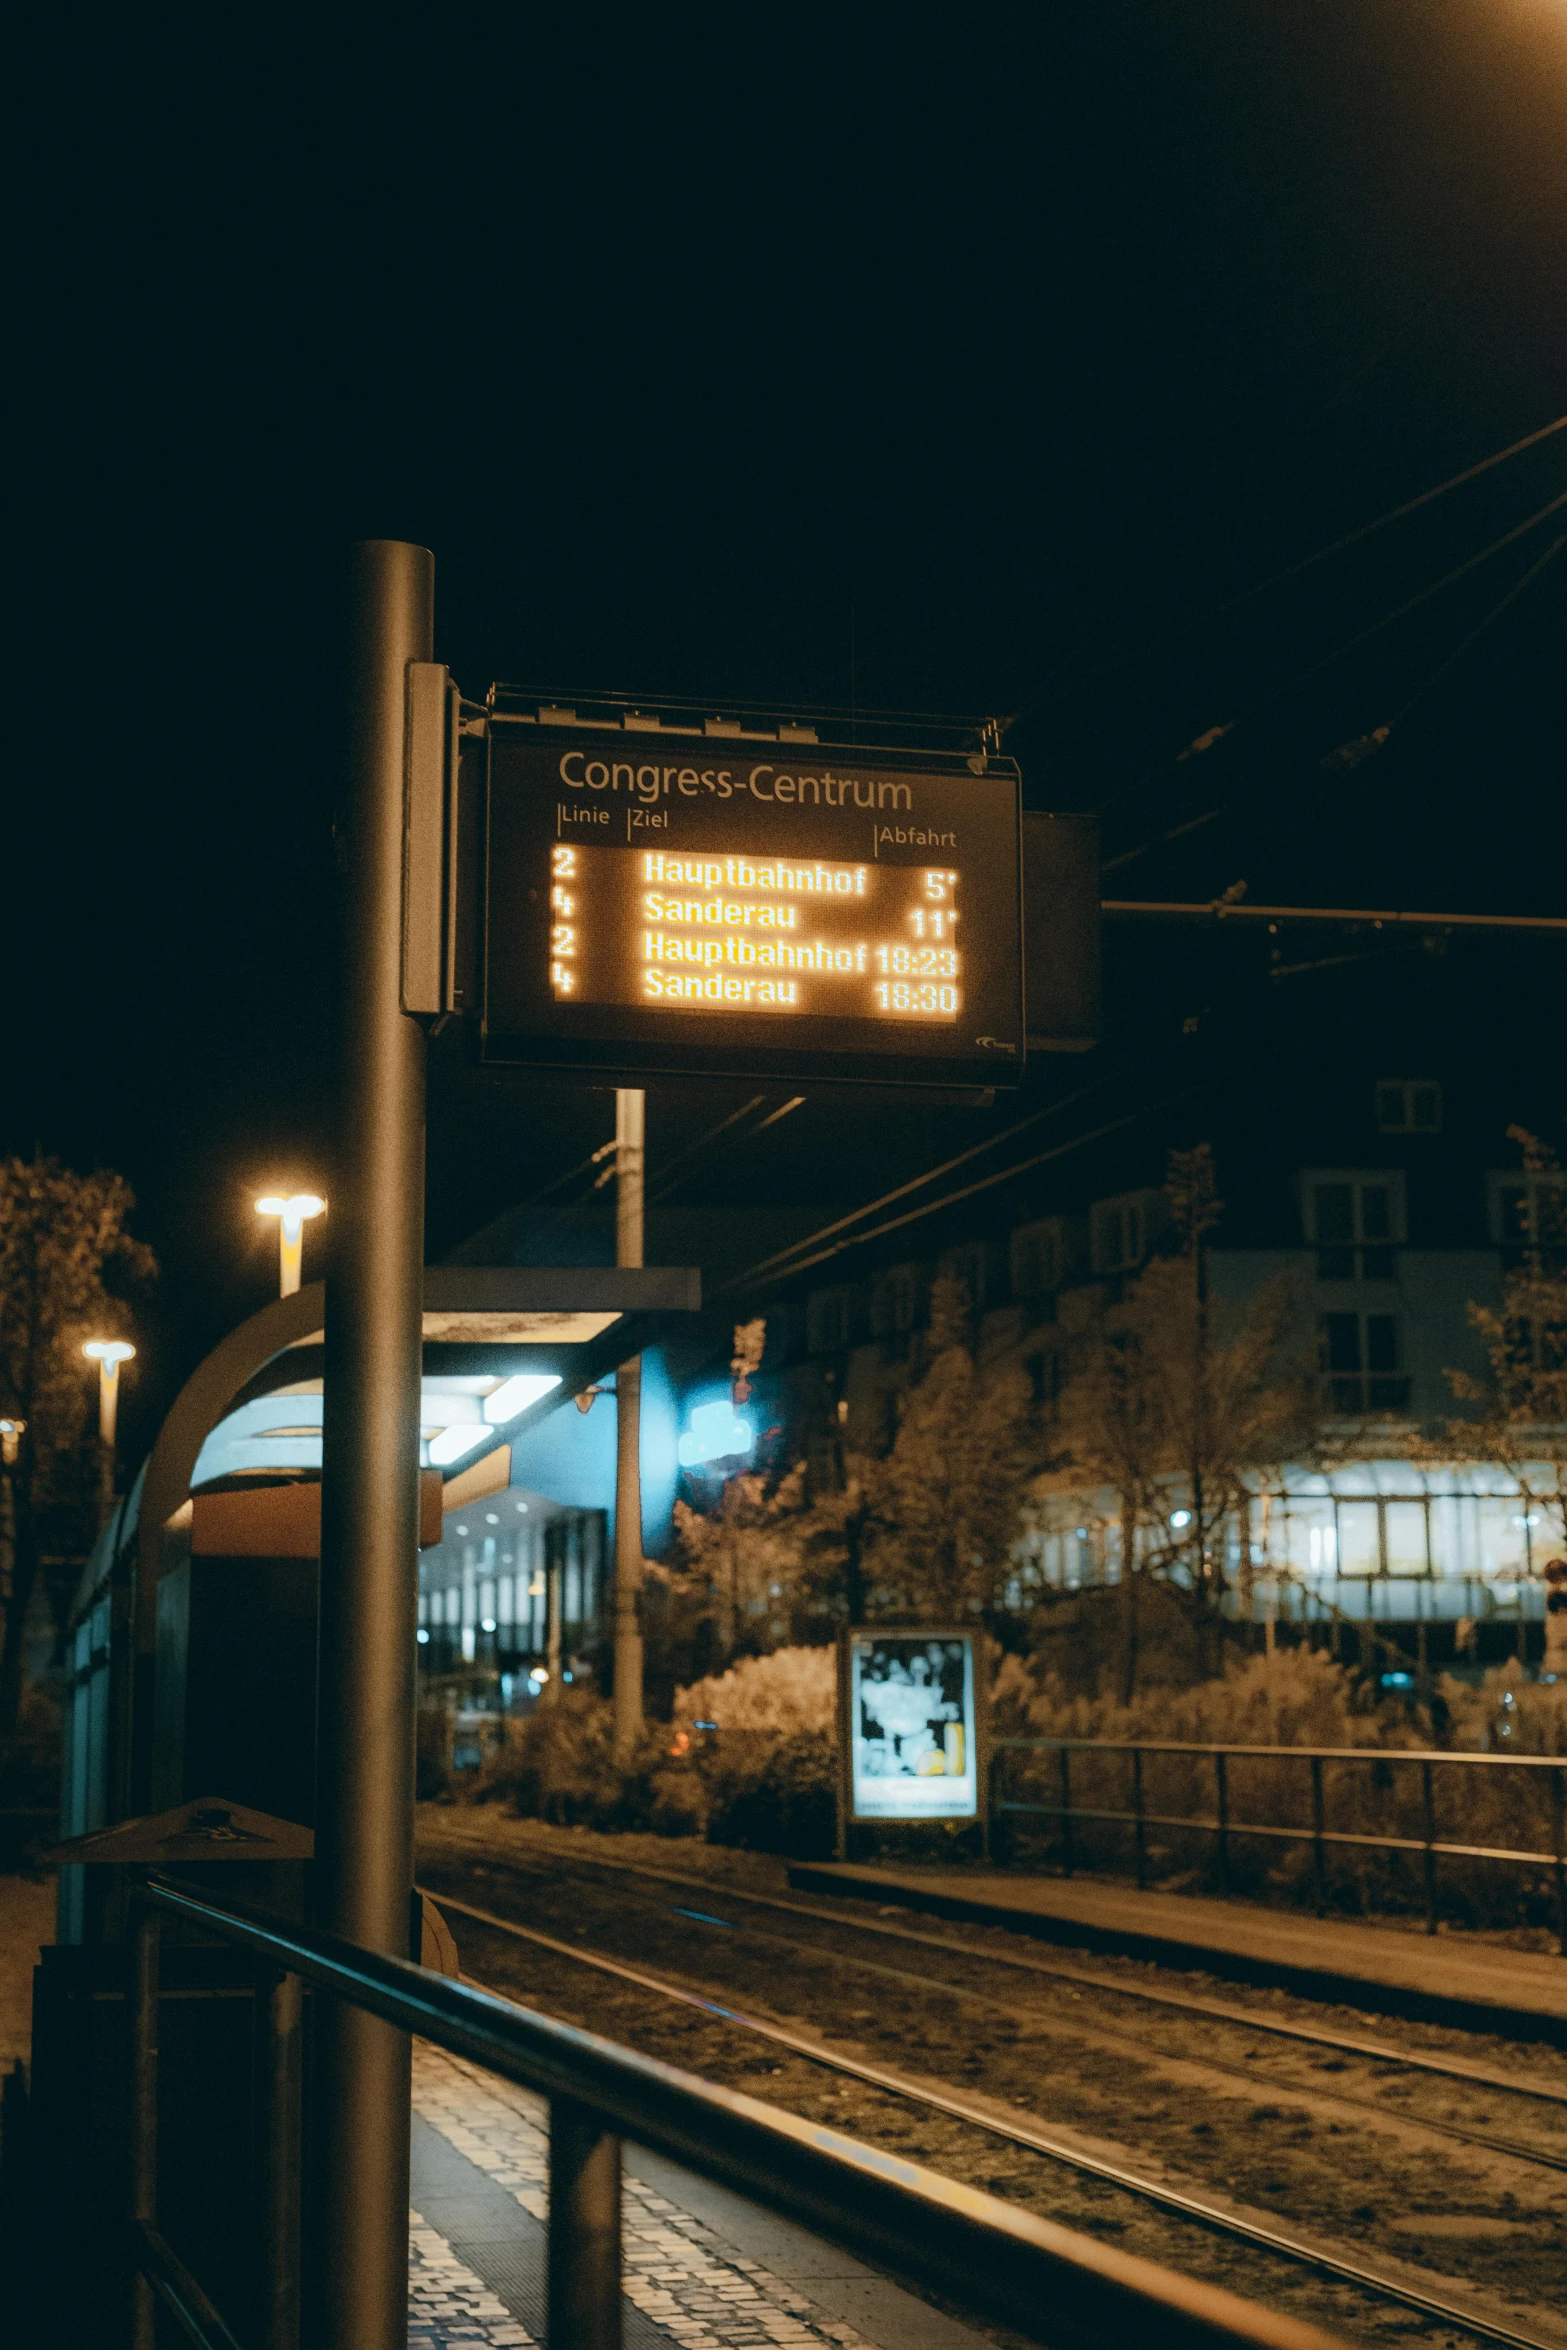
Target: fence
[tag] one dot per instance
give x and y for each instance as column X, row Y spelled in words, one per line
column 1057, row 2288
column 1508, row 1792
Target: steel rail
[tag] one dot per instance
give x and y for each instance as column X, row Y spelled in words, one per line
column 940, row 2100
column 1240, row 2072
column 1452, row 2068
column 1057, row 2287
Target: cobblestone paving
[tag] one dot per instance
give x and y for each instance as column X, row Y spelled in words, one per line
column 701, row 2292
column 447, row 2303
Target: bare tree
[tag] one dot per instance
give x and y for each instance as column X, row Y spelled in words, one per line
column 943, row 1509
column 62, row 1239
column 1520, row 1419
column 1178, row 1407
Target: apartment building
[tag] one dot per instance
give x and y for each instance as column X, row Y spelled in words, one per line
column 1388, row 1203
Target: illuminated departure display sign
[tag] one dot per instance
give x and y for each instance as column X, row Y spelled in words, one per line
column 791, row 912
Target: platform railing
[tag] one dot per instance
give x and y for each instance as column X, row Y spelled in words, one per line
column 1057, row 2288
column 1223, row 1825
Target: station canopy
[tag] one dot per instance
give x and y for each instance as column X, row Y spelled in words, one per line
column 503, row 1347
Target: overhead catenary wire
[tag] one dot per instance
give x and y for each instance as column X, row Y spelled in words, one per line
column 606, row 1151
column 931, row 1175
column 1296, row 570
column 1540, row 563
column 1424, row 595
column 702, row 1143
column 1352, row 644
column 1307, row 814
column 796, row 1103
column 1059, row 1150
column 805, row 1254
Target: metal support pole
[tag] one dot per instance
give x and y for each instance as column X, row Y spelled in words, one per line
column 142, row 2003
column 278, row 2042
column 584, row 2238
column 1318, row 1845
column 1068, row 1853
column 1222, row 1787
column 1428, row 1807
column 369, row 1490
column 630, row 1109
column 1559, row 1809
column 554, row 1644
column 1139, row 1828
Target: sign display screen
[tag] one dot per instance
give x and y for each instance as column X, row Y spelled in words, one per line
column 911, row 1720
column 670, row 906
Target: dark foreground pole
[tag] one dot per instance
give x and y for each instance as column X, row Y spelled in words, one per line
column 369, row 1492
column 584, row 2241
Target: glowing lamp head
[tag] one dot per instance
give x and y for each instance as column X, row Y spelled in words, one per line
column 293, row 1214
column 298, row 1208
column 109, row 1350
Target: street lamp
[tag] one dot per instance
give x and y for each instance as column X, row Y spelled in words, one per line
column 293, row 1214
column 108, row 1354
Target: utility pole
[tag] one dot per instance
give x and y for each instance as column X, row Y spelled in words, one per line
column 630, row 1113
column 363, row 1870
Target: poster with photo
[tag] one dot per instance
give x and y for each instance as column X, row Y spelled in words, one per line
column 910, row 1704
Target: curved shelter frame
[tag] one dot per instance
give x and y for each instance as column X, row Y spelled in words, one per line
column 576, row 1323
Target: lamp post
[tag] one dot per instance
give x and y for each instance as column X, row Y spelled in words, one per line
column 108, row 1354
column 11, row 1434
column 630, row 1109
column 293, row 1214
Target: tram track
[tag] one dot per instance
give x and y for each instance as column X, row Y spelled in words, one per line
column 1091, row 2160
column 1468, row 2072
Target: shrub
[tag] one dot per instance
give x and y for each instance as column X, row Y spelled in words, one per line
column 1298, row 1697
column 433, row 1753
column 792, row 1692
column 776, row 1794
column 679, row 1804
column 765, row 1780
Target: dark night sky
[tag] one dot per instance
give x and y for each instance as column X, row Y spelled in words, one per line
column 944, row 358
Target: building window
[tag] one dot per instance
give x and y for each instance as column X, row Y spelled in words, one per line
column 1119, row 1232
column 895, row 1301
column 1529, row 1211
column 1036, row 1259
column 1361, row 1357
column 1409, row 1105
column 829, row 1319
column 968, row 1267
column 1355, row 1220
column 1383, row 1537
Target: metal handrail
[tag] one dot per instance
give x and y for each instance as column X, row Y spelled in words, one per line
column 1368, row 1754
column 1056, row 2287
column 1223, row 1826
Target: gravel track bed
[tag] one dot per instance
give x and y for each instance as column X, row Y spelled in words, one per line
column 1160, row 2090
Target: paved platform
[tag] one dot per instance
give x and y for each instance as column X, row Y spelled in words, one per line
column 703, row 2268
column 1445, row 1978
